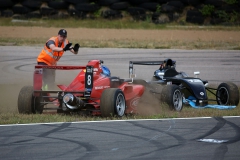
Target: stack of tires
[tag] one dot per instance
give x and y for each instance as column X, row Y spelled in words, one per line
column 221, row 8
column 157, row 11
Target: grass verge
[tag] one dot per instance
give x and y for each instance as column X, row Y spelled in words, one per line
column 126, row 23
column 15, row 118
column 145, row 44
column 165, row 112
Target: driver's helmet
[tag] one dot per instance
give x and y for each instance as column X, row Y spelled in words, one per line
column 106, row 70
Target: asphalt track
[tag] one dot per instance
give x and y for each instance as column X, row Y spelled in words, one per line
column 204, row 138
column 168, row 139
column 17, row 63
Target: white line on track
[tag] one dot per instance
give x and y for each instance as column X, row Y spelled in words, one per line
column 108, row 121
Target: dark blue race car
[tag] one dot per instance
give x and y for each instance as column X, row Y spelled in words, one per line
column 178, row 88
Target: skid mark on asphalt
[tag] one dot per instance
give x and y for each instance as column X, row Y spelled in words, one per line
column 223, row 148
column 218, row 126
column 159, row 145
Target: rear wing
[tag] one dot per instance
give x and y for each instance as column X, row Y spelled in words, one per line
column 131, row 63
column 38, row 77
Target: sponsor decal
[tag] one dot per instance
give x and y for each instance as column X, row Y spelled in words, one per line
column 61, row 67
column 89, row 70
column 101, row 87
column 201, row 93
column 134, row 102
column 88, row 89
column 194, row 80
column 169, row 83
column 38, row 71
column 114, row 80
column 95, row 69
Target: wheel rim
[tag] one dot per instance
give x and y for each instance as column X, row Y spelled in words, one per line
column 222, row 95
column 120, row 105
column 177, row 100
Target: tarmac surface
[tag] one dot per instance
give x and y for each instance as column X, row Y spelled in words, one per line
column 183, row 139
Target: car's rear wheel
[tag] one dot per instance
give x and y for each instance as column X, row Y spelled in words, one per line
column 112, row 102
column 172, row 96
column 37, row 106
column 27, row 103
column 25, row 99
column 227, row 94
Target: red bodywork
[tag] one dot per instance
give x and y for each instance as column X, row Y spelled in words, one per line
column 132, row 92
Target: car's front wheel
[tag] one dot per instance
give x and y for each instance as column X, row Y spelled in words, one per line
column 112, row 102
column 172, row 96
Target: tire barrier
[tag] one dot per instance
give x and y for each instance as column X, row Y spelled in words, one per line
column 120, row 6
column 195, row 16
column 58, row 4
column 32, row 4
column 157, row 11
column 112, row 14
column 151, row 6
column 6, row 3
column 87, row 7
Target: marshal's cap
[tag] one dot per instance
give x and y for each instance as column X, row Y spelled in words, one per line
column 62, row 32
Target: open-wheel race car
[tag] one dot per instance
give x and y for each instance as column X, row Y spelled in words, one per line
column 178, row 88
column 93, row 91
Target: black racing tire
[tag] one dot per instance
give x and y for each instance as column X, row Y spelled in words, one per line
column 76, row 1
column 227, row 94
column 119, row 6
column 137, row 2
column 215, row 21
column 195, row 20
column 6, row 3
column 191, row 2
column 152, row 6
column 37, row 107
column 136, row 11
column 25, row 100
column 165, row 8
column 58, row 4
column 112, row 102
column 32, row 4
column 18, row 16
column 229, row 8
column 107, row 2
column 76, row 13
column 46, row 11
column 7, row 13
column 111, row 14
column 20, row 9
column 216, row 3
column 177, row 4
column 195, row 16
column 34, row 14
column 172, row 96
column 162, row 1
column 27, row 103
column 87, row 7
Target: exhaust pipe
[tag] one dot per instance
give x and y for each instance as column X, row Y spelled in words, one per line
column 72, row 102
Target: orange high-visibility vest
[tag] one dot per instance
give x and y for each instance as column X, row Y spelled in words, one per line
column 50, row 57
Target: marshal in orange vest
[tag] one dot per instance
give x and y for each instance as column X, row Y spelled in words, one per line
column 50, row 57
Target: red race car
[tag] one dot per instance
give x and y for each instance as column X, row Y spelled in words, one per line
column 93, row 91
